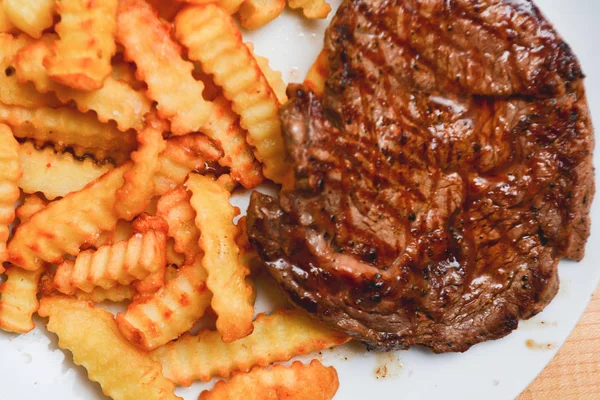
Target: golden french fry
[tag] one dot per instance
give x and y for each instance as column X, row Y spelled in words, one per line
column 147, row 223
column 175, row 208
column 46, row 284
column 114, row 101
column 18, row 299
column 91, row 334
column 170, row 273
column 109, row 266
column 248, row 255
column 275, row 78
column 115, row 294
column 152, row 282
column 6, row 26
column 183, row 155
column 66, row 224
column 55, row 174
column 256, row 13
column 223, row 126
column 31, row 205
column 276, row 338
column 226, row 182
column 81, row 57
column 231, row 6
column 148, row 43
column 213, row 39
column 318, row 73
column 298, row 381
column 11, row 92
column 138, row 189
column 242, row 237
column 226, row 274
column 69, row 128
column 155, row 280
column 173, row 310
column 123, row 231
column 312, row 9
column 10, row 173
column 30, row 16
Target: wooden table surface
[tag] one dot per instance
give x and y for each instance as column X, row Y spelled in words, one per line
column 575, row 371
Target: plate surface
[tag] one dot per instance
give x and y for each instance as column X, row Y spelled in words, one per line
column 32, row 366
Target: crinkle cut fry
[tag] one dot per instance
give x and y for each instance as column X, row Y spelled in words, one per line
column 148, row 43
column 144, row 224
column 274, row 78
column 65, row 127
column 112, row 265
column 66, row 224
column 312, row 9
column 18, row 299
column 81, row 57
column 227, row 182
column 31, row 205
column 30, row 16
column 298, row 382
column 276, row 338
column 56, row 174
column 115, row 294
column 257, row 13
column 11, row 92
column 123, row 372
column 10, row 173
column 212, row 39
column 168, row 313
column 318, row 73
column 6, row 25
column 137, row 191
column 183, row 155
column 232, row 296
column 123, row 231
column 170, row 273
column 223, row 126
column 175, row 208
column 114, row 101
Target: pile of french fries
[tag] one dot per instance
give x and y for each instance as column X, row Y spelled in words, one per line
column 124, row 127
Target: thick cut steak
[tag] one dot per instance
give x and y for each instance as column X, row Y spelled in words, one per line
column 439, row 180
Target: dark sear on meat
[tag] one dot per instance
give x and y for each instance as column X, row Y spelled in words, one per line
column 439, row 180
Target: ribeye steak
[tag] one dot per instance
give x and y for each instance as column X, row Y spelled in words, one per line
column 440, row 178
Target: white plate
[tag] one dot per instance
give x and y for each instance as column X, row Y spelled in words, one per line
column 32, row 367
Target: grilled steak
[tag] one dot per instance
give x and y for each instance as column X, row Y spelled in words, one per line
column 439, row 180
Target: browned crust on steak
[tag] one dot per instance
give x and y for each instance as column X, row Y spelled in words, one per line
column 438, row 182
